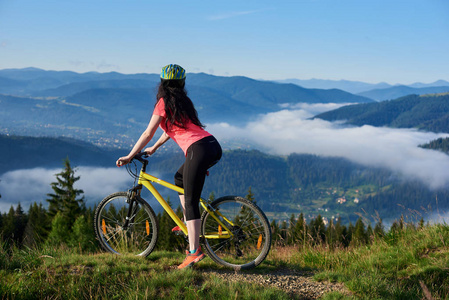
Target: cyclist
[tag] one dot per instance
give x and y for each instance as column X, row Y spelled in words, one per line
column 176, row 115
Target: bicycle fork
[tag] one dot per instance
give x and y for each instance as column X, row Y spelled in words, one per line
column 133, row 205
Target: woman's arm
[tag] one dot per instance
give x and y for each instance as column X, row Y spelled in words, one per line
column 164, row 137
column 146, row 136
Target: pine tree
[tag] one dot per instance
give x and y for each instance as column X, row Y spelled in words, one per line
column 20, row 223
column 369, row 234
column 83, row 235
column 246, row 215
column 331, row 234
column 379, row 229
column 59, row 233
column 359, row 235
column 167, row 239
column 318, row 230
column 275, row 231
column 291, row 236
column 37, row 227
column 9, row 225
column 349, row 233
column 64, row 199
column 301, row 230
column 341, row 234
column 283, row 232
column 250, row 196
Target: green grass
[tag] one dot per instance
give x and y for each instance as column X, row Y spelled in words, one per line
column 64, row 274
column 409, row 264
column 405, row 265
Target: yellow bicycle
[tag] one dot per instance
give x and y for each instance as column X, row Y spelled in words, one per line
column 234, row 231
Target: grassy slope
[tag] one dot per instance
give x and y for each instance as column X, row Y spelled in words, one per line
column 406, row 265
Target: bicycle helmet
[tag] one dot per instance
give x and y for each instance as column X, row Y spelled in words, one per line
column 172, row 71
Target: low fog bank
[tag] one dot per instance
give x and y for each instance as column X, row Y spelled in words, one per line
column 33, row 185
column 292, row 131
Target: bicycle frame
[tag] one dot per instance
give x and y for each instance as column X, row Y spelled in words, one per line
column 146, row 180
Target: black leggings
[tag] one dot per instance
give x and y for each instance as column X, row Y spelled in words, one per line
column 200, row 156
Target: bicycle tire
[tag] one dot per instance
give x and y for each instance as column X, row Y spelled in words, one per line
column 251, row 240
column 141, row 235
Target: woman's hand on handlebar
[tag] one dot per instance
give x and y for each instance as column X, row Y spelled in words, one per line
column 123, row 161
column 150, row 150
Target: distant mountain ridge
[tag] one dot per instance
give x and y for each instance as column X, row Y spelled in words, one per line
column 99, row 107
column 402, row 90
column 349, row 86
column 358, row 87
column 426, row 112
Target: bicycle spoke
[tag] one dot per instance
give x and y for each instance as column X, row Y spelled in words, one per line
column 138, row 237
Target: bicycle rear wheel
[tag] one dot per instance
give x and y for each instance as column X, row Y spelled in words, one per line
column 250, row 239
column 137, row 236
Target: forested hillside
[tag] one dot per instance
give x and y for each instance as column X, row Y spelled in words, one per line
column 441, row 144
column 20, row 152
column 427, row 112
column 282, row 185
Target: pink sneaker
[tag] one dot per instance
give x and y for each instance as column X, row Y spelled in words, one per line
column 192, row 258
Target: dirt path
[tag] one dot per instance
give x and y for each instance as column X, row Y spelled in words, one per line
column 297, row 284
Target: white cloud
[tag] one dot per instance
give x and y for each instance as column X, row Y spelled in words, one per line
column 290, row 131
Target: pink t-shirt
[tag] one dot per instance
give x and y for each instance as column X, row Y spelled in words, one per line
column 184, row 137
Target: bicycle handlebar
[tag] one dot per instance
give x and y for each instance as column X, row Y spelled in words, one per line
column 140, row 157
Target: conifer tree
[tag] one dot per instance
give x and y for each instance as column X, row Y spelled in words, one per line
column 369, row 234
column 20, row 223
column 65, row 198
column 283, row 232
column 83, row 235
column 60, row 230
column 275, row 231
column 359, row 235
column 9, row 225
column 379, row 229
column 349, row 233
column 341, row 234
column 14, row 223
column 246, row 215
column 250, row 196
column 317, row 229
column 37, row 227
column 331, row 234
column 291, row 236
column 167, row 239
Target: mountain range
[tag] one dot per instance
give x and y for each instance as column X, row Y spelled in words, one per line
column 402, row 90
column 360, row 88
column 99, row 107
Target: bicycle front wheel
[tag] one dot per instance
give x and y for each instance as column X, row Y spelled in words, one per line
column 126, row 226
column 248, row 240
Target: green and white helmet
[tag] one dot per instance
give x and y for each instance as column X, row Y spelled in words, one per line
column 172, row 71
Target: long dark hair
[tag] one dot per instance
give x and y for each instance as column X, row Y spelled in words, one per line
column 178, row 106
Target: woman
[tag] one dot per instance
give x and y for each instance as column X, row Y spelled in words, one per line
column 175, row 113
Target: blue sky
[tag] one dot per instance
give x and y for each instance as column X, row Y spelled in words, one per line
column 393, row 41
